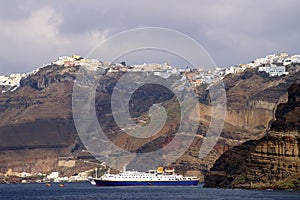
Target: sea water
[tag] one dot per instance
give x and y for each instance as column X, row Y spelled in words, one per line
column 84, row 191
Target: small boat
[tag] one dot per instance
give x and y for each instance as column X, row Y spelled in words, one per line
column 61, row 185
column 48, row 184
column 160, row 177
column 91, row 180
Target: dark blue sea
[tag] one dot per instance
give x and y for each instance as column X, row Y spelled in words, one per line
column 80, row 191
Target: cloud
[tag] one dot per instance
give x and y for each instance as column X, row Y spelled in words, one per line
column 31, row 41
column 232, row 31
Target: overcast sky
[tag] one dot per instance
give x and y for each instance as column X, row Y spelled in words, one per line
column 35, row 32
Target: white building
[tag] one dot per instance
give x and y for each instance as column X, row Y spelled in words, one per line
column 11, row 80
column 291, row 60
column 81, row 176
column 274, row 70
column 151, row 67
column 24, row 174
column 235, row 69
column 53, row 175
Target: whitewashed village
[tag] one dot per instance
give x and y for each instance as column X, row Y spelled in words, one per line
column 56, row 177
column 272, row 65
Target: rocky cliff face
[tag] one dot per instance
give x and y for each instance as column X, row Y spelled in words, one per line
column 36, row 126
column 36, row 119
column 270, row 162
column 251, row 101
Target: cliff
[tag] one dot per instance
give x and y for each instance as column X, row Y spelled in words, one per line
column 251, row 101
column 37, row 128
column 270, row 162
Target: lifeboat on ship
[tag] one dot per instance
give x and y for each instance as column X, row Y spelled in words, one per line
column 160, row 170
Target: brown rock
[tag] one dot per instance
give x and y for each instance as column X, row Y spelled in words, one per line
column 263, row 163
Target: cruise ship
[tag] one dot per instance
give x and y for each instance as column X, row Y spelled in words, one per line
column 160, row 177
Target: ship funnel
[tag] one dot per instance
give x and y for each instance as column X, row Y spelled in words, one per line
column 124, row 168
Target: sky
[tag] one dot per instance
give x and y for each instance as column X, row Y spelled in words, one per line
column 35, row 32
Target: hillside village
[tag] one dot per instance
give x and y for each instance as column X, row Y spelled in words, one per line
column 273, row 65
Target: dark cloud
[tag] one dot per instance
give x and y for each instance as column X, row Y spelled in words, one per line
column 232, row 31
